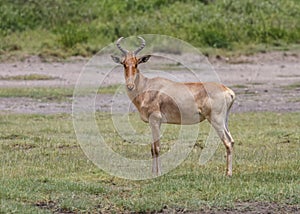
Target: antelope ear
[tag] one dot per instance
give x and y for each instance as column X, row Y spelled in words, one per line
column 144, row 59
column 116, row 59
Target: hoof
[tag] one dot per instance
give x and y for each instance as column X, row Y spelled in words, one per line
column 229, row 174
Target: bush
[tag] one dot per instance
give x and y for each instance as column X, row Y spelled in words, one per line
column 203, row 23
column 71, row 35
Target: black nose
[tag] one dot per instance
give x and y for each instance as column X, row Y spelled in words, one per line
column 130, row 87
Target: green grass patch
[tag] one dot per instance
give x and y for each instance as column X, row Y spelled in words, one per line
column 288, row 76
column 41, row 93
column 111, row 89
column 239, row 86
column 45, row 171
column 29, row 77
column 51, row 93
column 294, row 100
column 256, row 83
column 293, row 86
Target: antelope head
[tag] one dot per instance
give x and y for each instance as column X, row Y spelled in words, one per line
column 130, row 63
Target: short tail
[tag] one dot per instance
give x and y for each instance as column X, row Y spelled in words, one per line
column 229, row 102
column 230, row 98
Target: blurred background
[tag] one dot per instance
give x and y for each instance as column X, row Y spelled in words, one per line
column 60, row 29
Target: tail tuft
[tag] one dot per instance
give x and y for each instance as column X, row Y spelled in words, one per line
column 231, row 98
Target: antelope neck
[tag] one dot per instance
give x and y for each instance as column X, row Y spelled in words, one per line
column 140, row 85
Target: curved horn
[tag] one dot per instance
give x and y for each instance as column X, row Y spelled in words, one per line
column 141, row 47
column 119, row 46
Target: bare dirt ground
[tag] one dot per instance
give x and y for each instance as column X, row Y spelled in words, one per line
column 263, row 82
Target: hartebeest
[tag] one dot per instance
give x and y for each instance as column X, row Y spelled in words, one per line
column 160, row 100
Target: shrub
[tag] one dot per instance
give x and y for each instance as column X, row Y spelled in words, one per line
column 72, row 35
column 203, row 23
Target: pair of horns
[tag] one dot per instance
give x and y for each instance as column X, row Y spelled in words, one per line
column 124, row 51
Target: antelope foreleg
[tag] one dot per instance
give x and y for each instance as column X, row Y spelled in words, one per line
column 155, row 156
column 155, row 122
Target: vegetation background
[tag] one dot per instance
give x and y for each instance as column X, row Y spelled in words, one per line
column 61, row 29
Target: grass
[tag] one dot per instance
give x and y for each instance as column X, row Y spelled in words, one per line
column 48, row 93
column 111, row 89
column 294, row 100
column 83, row 27
column 239, row 86
column 288, row 76
column 45, row 171
column 293, row 86
column 40, row 93
column 28, row 77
